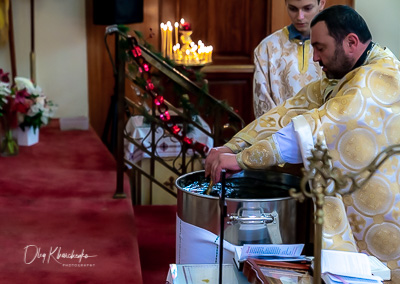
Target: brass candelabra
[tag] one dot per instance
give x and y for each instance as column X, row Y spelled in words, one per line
column 325, row 180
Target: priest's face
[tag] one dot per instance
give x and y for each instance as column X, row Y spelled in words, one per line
column 301, row 12
column 330, row 55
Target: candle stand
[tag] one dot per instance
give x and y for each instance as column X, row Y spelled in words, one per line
column 324, row 180
column 189, row 54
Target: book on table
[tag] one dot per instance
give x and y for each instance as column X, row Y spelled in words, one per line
column 336, row 266
column 269, row 252
column 347, row 267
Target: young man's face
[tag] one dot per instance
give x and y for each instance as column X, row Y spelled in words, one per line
column 330, row 55
column 301, row 12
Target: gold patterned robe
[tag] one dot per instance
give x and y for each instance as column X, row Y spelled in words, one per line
column 358, row 116
column 283, row 65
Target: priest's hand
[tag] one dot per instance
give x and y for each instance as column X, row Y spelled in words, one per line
column 212, row 156
column 218, row 159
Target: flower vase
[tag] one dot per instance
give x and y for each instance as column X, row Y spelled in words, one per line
column 27, row 136
column 9, row 145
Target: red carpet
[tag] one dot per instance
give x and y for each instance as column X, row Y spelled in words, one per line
column 156, row 236
column 56, row 203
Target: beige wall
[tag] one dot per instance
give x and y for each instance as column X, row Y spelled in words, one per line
column 60, row 48
column 61, row 64
column 383, row 20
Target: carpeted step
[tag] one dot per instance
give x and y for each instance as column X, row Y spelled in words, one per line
column 156, row 230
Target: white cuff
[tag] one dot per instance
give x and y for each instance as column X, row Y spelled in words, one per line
column 287, row 145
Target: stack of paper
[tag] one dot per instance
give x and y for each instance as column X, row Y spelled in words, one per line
column 378, row 268
column 270, row 252
column 346, row 267
column 203, row 273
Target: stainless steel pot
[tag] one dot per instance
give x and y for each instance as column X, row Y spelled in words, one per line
column 260, row 209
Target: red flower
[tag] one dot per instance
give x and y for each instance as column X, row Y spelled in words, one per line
column 4, row 76
column 22, row 103
column 10, row 114
column 22, row 107
column 20, row 96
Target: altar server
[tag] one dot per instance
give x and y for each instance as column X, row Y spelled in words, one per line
column 283, row 60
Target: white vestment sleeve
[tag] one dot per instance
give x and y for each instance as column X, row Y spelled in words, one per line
column 287, row 145
column 335, row 235
column 304, row 137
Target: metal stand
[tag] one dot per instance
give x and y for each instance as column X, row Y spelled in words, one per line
column 222, row 207
column 109, row 136
column 116, row 113
column 320, row 175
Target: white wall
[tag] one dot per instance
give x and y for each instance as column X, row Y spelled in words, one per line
column 382, row 18
column 60, row 49
column 61, row 63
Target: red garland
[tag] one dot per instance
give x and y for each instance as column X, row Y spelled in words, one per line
column 158, row 100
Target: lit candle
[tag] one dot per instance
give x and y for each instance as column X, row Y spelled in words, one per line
column 167, row 38
column 206, row 54
column 190, row 57
column 201, row 44
column 178, row 52
column 163, row 39
column 200, row 53
column 195, row 55
column 186, row 58
column 169, row 51
column 176, row 33
column 174, row 49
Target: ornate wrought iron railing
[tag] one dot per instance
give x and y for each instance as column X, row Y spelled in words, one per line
column 192, row 112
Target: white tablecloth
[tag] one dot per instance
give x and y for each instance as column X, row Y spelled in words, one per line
column 167, row 145
column 195, row 245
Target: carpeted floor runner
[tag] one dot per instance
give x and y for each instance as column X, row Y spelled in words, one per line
column 156, row 236
column 58, row 221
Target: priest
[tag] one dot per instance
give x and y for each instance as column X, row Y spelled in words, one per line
column 355, row 109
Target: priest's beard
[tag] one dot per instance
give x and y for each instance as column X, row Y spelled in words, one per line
column 339, row 65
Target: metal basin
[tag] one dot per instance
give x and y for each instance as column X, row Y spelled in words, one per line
column 259, row 207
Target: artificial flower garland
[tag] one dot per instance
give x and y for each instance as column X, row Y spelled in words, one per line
column 158, row 100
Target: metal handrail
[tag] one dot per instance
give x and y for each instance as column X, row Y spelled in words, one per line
column 223, row 116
